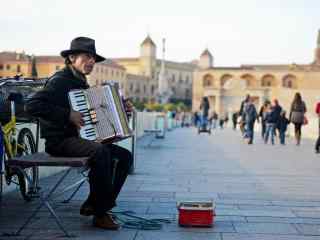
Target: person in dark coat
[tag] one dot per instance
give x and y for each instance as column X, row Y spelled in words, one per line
column 242, row 114
column 317, row 145
column 60, row 127
column 235, row 120
column 262, row 116
column 204, row 107
column 250, row 116
column 282, row 126
column 297, row 115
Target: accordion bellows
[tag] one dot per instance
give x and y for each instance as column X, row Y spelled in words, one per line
column 103, row 112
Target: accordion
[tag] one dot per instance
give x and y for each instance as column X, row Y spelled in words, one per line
column 105, row 119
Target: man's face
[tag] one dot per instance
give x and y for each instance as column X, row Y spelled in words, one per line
column 83, row 62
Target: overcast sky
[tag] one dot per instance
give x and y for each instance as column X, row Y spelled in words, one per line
column 236, row 32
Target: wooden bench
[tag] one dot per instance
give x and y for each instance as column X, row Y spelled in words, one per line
column 43, row 159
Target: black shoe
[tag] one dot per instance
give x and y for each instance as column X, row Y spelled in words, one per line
column 105, row 222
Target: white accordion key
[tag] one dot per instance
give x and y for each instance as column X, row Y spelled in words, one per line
column 78, row 102
column 103, row 113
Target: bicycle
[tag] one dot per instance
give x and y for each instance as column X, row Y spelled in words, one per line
column 19, row 144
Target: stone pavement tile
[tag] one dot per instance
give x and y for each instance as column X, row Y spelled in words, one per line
column 162, row 210
column 244, row 201
column 306, row 214
column 270, row 228
column 135, row 199
column 309, row 229
column 250, row 196
column 226, row 206
column 237, row 236
column 145, row 235
column 221, row 218
column 163, row 188
column 280, row 208
column 255, row 213
column 296, row 203
column 181, row 196
column 94, row 234
column 149, row 193
column 284, row 220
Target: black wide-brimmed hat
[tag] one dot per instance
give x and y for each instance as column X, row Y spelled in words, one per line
column 82, row 45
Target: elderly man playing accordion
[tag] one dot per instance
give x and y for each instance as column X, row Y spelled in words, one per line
column 60, row 127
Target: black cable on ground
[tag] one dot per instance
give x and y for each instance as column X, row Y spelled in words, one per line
column 127, row 219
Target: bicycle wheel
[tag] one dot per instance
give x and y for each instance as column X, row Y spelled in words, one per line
column 28, row 181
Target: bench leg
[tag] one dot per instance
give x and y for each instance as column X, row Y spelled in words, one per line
column 45, row 201
column 75, row 191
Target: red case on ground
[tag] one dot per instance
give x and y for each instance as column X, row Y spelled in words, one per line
column 196, row 214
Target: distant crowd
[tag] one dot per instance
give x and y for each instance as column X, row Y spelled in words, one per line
column 272, row 117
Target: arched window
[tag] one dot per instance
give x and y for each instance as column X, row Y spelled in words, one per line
column 18, row 68
column 208, row 80
column 268, row 81
column 289, row 81
column 249, row 80
column 225, row 80
column 8, row 67
column 152, row 89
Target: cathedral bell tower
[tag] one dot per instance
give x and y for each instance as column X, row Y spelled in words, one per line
column 148, row 57
column 206, row 59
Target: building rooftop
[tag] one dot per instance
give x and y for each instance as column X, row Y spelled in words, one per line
column 137, row 77
column 7, row 56
column 148, row 40
column 113, row 64
column 49, row 59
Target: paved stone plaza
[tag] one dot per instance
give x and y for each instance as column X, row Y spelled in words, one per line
column 261, row 191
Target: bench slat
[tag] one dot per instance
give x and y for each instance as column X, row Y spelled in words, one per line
column 44, row 159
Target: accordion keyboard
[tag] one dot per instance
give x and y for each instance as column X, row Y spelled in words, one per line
column 79, row 103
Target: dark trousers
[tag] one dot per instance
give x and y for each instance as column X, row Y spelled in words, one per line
column 317, row 146
column 249, row 131
column 263, row 128
column 105, row 178
column 282, row 136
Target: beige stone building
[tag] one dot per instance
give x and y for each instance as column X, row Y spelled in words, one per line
column 143, row 74
column 15, row 63
column 48, row 65
column 226, row 86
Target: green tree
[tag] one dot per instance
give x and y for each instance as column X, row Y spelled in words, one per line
column 34, row 72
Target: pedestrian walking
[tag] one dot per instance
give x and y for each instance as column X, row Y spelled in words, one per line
column 297, row 116
column 235, row 120
column 250, row 116
column 262, row 116
column 317, row 146
column 282, row 126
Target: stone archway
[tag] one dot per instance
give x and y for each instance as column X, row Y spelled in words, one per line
column 250, row 80
column 289, row 81
column 208, row 80
column 226, row 80
column 268, row 80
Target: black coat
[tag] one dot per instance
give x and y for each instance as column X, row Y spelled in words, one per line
column 51, row 105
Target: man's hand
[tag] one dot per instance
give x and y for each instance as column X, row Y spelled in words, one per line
column 76, row 119
column 128, row 106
